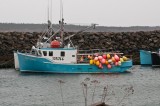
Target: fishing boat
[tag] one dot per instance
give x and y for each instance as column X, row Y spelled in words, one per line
column 55, row 53
column 56, row 57
column 150, row 58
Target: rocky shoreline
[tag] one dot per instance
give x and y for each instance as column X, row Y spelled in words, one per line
column 127, row 42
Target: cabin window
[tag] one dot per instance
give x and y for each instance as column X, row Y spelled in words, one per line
column 50, row 53
column 73, row 55
column 62, row 54
column 45, row 53
column 33, row 52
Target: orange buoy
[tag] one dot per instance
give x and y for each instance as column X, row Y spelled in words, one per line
column 108, row 56
column 91, row 62
column 113, row 59
column 103, row 61
column 107, row 62
column 104, row 56
column 97, row 63
column 109, row 66
column 100, row 66
column 116, row 63
column 121, row 59
column 89, row 57
column 119, row 63
column 94, row 61
column 125, row 58
column 100, row 57
column 55, row 44
column 116, row 57
column 96, row 58
column 110, row 60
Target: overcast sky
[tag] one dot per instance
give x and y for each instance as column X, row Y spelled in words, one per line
column 102, row 12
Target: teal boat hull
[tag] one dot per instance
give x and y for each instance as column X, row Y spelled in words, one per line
column 145, row 57
column 28, row 63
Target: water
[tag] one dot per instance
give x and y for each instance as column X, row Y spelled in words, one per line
column 39, row 89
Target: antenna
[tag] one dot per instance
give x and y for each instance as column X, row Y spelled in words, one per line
column 48, row 9
column 61, row 9
column 51, row 11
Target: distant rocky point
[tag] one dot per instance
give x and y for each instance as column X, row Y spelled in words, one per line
column 11, row 27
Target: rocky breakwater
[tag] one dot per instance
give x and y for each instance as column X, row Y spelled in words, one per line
column 13, row 41
column 127, row 42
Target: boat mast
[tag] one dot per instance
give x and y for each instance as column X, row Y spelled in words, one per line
column 48, row 13
column 49, row 9
column 61, row 22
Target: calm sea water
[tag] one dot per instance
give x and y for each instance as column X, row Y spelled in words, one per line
column 140, row 87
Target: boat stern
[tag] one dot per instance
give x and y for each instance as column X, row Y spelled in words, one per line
column 16, row 61
column 145, row 57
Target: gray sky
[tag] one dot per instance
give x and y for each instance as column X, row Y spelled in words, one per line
column 102, row 12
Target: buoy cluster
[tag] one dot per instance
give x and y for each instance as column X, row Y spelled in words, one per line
column 106, row 59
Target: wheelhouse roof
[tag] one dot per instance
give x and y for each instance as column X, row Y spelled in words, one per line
column 58, row 49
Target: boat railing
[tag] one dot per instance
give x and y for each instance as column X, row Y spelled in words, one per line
column 29, row 52
column 100, row 51
column 129, row 56
column 82, row 55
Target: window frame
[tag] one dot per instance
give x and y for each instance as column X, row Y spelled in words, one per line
column 51, row 53
column 62, row 55
column 73, row 55
column 44, row 53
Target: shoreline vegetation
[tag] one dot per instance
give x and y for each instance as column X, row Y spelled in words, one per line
column 129, row 42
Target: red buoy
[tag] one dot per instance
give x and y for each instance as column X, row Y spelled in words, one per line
column 55, row 44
